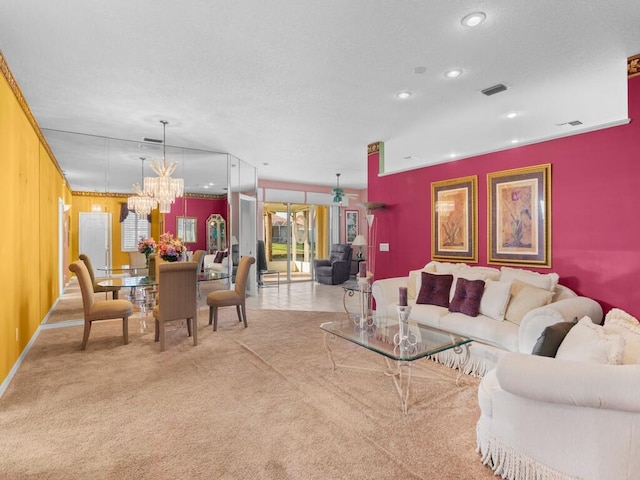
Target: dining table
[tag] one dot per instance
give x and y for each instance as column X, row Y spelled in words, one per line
column 143, row 287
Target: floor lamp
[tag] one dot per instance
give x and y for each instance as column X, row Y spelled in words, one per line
column 371, row 207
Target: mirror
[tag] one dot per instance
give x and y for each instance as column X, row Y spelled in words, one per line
column 101, row 172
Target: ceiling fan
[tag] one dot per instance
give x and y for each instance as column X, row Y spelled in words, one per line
column 338, row 193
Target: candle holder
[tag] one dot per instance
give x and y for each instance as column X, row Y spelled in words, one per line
column 405, row 339
column 364, row 290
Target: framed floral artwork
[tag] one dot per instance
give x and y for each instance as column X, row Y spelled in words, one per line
column 520, row 216
column 351, row 218
column 186, row 229
column 454, row 213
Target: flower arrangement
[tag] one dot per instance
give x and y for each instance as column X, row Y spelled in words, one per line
column 147, row 246
column 170, row 248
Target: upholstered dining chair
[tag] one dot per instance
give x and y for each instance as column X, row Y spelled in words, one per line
column 176, row 299
column 98, row 288
column 198, row 257
column 95, row 310
column 228, row 298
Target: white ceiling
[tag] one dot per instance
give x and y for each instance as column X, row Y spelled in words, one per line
column 299, row 88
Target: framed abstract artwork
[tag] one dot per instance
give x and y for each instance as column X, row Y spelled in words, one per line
column 351, row 218
column 454, row 225
column 520, row 216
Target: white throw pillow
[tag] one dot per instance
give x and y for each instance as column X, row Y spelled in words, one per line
column 588, row 342
column 620, row 322
column 495, row 299
column 548, row 281
column 488, row 272
column 524, row 298
column 446, row 267
column 620, row 314
column 414, row 283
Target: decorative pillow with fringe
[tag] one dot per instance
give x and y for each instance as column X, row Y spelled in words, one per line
column 588, row 342
column 620, row 322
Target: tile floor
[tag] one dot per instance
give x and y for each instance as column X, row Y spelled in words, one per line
column 307, row 296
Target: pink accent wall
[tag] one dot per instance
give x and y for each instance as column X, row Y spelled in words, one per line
column 595, row 205
column 196, row 207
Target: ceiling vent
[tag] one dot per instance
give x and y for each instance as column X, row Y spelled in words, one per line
column 573, row 123
column 495, row 89
column 152, row 140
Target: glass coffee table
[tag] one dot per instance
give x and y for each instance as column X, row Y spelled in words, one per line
column 402, row 342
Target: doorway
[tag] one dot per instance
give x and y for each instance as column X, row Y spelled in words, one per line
column 94, row 232
column 295, row 234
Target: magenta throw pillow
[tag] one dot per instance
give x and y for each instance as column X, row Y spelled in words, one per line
column 435, row 289
column 467, row 297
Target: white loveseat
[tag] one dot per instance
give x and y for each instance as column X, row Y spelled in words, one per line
column 493, row 335
column 569, row 417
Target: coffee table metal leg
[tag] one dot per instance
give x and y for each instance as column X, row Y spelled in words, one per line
column 328, row 349
column 349, row 293
column 402, row 381
column 462, row 350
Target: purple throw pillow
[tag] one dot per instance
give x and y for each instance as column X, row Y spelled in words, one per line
column 219, row 257
column 467, row 297
column 435, row 289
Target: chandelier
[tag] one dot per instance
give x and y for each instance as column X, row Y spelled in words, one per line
column 141, row 203
column 163, row 188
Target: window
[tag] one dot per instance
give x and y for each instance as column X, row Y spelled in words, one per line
column 134, row 228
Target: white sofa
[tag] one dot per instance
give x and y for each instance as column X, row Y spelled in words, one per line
column 493, row 336
column 569, row 417
column 209, row 263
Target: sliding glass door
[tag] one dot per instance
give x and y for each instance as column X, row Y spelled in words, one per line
column 294, row 235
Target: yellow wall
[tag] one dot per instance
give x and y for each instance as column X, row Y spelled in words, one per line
column 105, row 203
column 32, row 186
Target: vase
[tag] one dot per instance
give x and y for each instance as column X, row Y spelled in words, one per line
column 146, row 259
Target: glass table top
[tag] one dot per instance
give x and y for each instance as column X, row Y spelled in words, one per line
column 382, row 335
column 149, row 281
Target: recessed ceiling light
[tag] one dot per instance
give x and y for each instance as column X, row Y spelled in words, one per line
column 512, row 114
column 456, row 72
column 514, row 141
column 473, row 19
column 403, row 95
column 452, row 155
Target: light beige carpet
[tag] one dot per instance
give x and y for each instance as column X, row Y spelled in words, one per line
column 261, row 402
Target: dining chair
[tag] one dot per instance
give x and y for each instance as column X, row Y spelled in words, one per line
column 198, row 257
column 176, row 299
column 95, row 310
column 97, row 288
column 138, row 261
column 228, row 298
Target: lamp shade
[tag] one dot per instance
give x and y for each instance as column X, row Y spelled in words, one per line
column 359, row 241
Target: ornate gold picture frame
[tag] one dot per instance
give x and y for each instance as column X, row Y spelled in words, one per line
column 454, row 225
column 520, row 216
column 186, row 228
